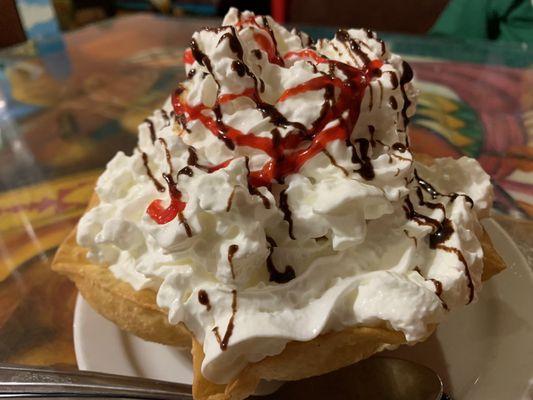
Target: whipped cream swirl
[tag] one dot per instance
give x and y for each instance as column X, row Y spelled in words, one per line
column 274, row 197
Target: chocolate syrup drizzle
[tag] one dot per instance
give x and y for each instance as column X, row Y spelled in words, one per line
column 150, row 123
column 280, row 164
column 157, row 184
column 254, row 191
column 366, row 169
column 438, row 288
column 203, row 299
column 343, row 36
column 393, row 103
column 167, row 155
column 407, row 76
column 441, row 230
column 165, row 117
column 275, row 275
column 287, row 214
column 371, row 102
column 411, row 237
column 273, row 37
column 186, row 171
column 380, row 93
column 176, row 194
column 434, row 193
column 334, row 162
column 231, row 252
column 230, row 200
column 223, row 342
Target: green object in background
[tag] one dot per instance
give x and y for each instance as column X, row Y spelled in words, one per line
column 501, row 20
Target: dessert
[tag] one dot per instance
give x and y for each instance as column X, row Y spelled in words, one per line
column 274, row 215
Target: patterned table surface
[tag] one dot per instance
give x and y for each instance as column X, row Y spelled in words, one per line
column 68, row 103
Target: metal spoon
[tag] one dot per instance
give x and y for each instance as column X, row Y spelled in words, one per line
column 377, row 378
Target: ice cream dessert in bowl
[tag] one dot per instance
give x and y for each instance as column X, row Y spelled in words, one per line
column 273, row 216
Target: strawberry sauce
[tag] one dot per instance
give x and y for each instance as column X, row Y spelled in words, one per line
column 338, row 116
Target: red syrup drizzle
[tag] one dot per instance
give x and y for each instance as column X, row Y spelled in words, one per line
column 163, row 215
column 283, row 161
column 290, row 153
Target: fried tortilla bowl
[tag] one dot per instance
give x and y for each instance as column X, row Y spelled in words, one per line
column 137, row 312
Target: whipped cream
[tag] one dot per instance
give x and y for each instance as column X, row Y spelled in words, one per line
column 274, row 198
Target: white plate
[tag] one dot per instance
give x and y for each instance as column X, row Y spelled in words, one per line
column 484, row 351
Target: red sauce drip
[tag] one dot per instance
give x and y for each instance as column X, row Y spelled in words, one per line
column 307, row 53
column 188, row 58
column 267, row 46
column 163, row 215
column 266, row 40
column 308, row 143
column 288, row 154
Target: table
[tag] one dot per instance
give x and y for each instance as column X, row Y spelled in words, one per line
column 68, row 103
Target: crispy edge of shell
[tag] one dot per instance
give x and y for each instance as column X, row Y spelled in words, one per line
column 330, row 351
column 133, row 311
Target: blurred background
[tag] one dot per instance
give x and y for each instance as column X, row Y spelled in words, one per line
column 502, row 20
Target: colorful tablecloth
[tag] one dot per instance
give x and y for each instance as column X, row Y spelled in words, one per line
column 68, row 103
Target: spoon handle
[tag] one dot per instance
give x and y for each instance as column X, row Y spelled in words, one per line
column 23, row 381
